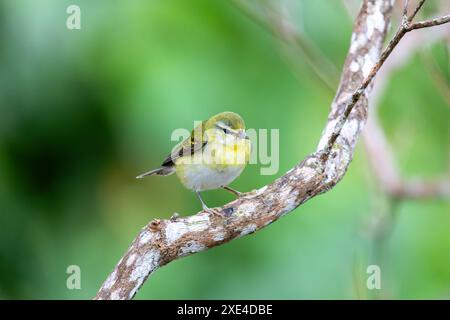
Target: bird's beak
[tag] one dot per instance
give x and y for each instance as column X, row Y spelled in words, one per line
column 243, row 135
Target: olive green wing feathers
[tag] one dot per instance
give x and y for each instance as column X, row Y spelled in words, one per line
column 194, row 143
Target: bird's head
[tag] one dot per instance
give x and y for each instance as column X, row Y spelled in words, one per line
column 229, row 123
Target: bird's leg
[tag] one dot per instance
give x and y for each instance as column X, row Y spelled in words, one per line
column 204, row 206
column 235, row 192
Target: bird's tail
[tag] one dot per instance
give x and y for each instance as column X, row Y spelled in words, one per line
column 161, row 171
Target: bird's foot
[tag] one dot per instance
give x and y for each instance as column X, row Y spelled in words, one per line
column 221, row 213
column 212, row 211
column 238, row 194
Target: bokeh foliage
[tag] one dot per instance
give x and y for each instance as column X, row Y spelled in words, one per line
column 84, row 111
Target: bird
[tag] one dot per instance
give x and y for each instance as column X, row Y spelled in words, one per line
column 213, row 156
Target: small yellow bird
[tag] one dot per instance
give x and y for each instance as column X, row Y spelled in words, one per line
column 213, row 156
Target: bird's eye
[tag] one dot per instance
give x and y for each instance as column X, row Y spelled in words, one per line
column 223, row 128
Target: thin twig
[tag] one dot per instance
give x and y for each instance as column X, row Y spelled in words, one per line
column 428, row 23
column 403, row 29
column 405, row 17
column 416, row 10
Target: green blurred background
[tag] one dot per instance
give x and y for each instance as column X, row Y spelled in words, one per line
column 82, row 112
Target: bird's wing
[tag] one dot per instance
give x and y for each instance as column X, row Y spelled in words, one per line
column 194, row 143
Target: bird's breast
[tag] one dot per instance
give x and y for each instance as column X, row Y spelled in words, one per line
column 216, row 166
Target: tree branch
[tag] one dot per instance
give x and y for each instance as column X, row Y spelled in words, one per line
column 379, row 151
column 406, row 27
column 427, row 23
column 163, row 241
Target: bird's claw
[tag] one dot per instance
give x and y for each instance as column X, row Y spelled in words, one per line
column 238, row 194
column 212, row 211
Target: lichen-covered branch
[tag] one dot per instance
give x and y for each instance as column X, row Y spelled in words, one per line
column 163, row 241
